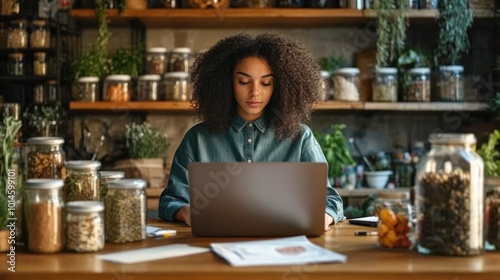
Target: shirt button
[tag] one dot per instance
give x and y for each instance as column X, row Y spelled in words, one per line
column 249, row 161
column 250, row 125
column 249, row 140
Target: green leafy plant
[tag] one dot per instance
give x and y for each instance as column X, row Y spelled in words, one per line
column 331, row 63
column 44, row 119
column 127, row 61
column 490, row 155
column 411, row 58
column 453, row 21
column 392, row 23
column 145, row 141
column 335, row 147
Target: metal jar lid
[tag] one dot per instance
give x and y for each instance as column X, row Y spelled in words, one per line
column 85, row 206
column 44, row 184
column 83, row 165
column 452, row 138
column 112, row 174
column 127, row 184
column 45, row 141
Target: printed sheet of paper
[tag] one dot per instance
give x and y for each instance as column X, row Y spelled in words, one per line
column 153, row 253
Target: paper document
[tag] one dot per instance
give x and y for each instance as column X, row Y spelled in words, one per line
column 282, row 251
column 153, row 253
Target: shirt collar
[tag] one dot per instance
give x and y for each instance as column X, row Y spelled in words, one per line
column 239, row 123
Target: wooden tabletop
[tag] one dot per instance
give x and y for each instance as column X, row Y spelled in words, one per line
column 364, row 261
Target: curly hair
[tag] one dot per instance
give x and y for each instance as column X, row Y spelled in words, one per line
column 297, row 81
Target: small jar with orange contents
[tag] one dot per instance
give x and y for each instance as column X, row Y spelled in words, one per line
column 395, row 227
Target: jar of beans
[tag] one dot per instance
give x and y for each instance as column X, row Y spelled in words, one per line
column 83, row 181
column 492, row 214
column 117, row 88
column 46, row 158
column 419, row 85
column 84, row 226
column 395, row 223
column 450, row 197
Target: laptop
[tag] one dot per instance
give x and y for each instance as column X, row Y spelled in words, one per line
column 236, row 199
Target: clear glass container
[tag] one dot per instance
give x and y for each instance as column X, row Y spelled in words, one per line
column 43, row 208
column 18, row 36
column 40, row 64
column 86, row 89
column 450, row 85
column 385, row 85
column 346, row 84
column 180, row 60
column 82, row 181
column 419, row 85
column 40, row 35
column 148, row 87
column 16, row 64
column 84, row 226
column 395, row 226
column 326, row 86
column 108, row 176
column 45, row 158
column 117, row 88
column 156, row 61
column 125, row 211
column 450, row 197
column 492, row 214
column 177, row 86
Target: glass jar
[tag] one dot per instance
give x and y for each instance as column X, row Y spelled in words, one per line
column 125, row 211
column 18, row 36
column 84, row 226
column 43, row 209
column 15, row 64
column 46, row 158
column 82, row 181
column 156, row 61
column 86, row 89
column 492, row 214
column 40, row 64
column 117, row 88
column 40, row 35
column 395, row 228
column 385, row 85
column 148, row 87
column 419, row 85
column 180, row 60
column 450, row 85
column 108, row 176
column 346, row 84
column 52, row 96
column 326, row 86
column 450, row 197
column 177, row 86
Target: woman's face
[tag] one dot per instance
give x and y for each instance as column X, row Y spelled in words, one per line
column 253, row 87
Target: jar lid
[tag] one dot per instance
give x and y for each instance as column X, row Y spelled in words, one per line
column 157, row 50
column 40, row 54
column 325, row 74
column 45, row 141
column 19, row 22
column 150, row 77
column 452, row 138
column 452, row 68
column 84, row 206
column 181, row 50
column 44, row 183
column 347, row 70
column 386, row 70
column 83, row 164
column 88, row 80
column 39, row 23
column 112, row 174
column 118, row 78
column 127, row 184
column 52, row 82
column 16, row 55
column 176, row 75
column 420, row 70
column 394, row 194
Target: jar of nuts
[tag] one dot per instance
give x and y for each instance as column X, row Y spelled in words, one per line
column 125, row 210
column 84, row 226
column 117, row 88
column 46, row 158
column 180, row 60
column 82, row 181
column 395, row 227
column 156, row 61
column 40, row 35
column 17, row 36
column 450, row 197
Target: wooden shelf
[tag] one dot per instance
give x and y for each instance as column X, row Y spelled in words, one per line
column 426, row 106
column 132, row 106
column 366, row 191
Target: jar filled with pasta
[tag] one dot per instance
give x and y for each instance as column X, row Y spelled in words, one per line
column 117, row 88
column 84, row 226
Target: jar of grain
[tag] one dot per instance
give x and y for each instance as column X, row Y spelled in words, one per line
column 177, row 86
column 385, row 85
column 16, row 64
column 82, row 181
column 40, row 64
column 346, row 84
column 450, row 84
column 18, row 36
column 46, row 158
column 84, row 226
column 117, row 88
column 125, row 210
column 108, row 176
column 419, row 85
column 180, row 60
column 149, row 87
column 156, row 61
column 40, row 35
column 44, row 209
column 450, row 197
column 395, row 227
column 86, row 89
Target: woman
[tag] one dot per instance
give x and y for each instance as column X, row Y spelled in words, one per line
column 252, row 94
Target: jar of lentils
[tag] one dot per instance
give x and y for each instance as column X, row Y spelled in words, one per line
column 82, row 181
column 346, row 84
column 419, row 85
column 385, row 85
column 40, row 35
column 18, row 36
column 492, row 214
column 46, row 158
column 156, row 61
column 180, row 60
column 84, row 226
column 117, row 88
column 450, row 85
column 125, row 210
column 450, row 197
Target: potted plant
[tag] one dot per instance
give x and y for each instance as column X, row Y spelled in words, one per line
column 127, row 61
column 44, row 120
column 379, row 175
column 147, row 148
column 408, row 59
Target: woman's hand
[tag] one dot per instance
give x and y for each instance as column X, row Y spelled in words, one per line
column 328, row 221
column 184, row 215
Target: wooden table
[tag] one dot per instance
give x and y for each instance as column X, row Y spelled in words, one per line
column 364, row 261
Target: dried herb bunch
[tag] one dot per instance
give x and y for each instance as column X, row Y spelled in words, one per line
column 392, row 23
column 145, row 141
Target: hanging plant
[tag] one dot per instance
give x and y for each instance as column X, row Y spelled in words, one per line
column 392, row 23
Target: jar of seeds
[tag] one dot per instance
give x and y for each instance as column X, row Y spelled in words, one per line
column 450, row 197
column 82, row 181
column 395, row 228
column 46, row 158
column 43, row 209
column 40, row 35
column 17, row 37
column 492, row 214
column 125, row 211
column 84, row 226
column 450, row 85
column 108, row 176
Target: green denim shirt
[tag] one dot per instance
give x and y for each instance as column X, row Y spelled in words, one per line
column 242, row 142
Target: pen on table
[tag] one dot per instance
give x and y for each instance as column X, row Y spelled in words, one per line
column 363, row 233
column 165, row 233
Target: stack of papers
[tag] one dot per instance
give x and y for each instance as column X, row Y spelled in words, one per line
column 282, row 251
column 151, row 254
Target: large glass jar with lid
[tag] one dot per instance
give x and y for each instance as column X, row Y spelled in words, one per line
column 45, row 158
column 40, row 35
column 125, row 210
column 86, row 89
column 177, row 86
column 16, row 65
column 43, row 208
column 450, row 84
column 450, row 197
column 108, row 176
column 84, row 226
column 346, row 84
column 385, row 84
column 419, row 85
column 82, row 181
column 180, row 60
column 156, row 61
column 395, row 226
column 148, row 87
column 17, row 37
column 492, row 214
column 117, row 88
